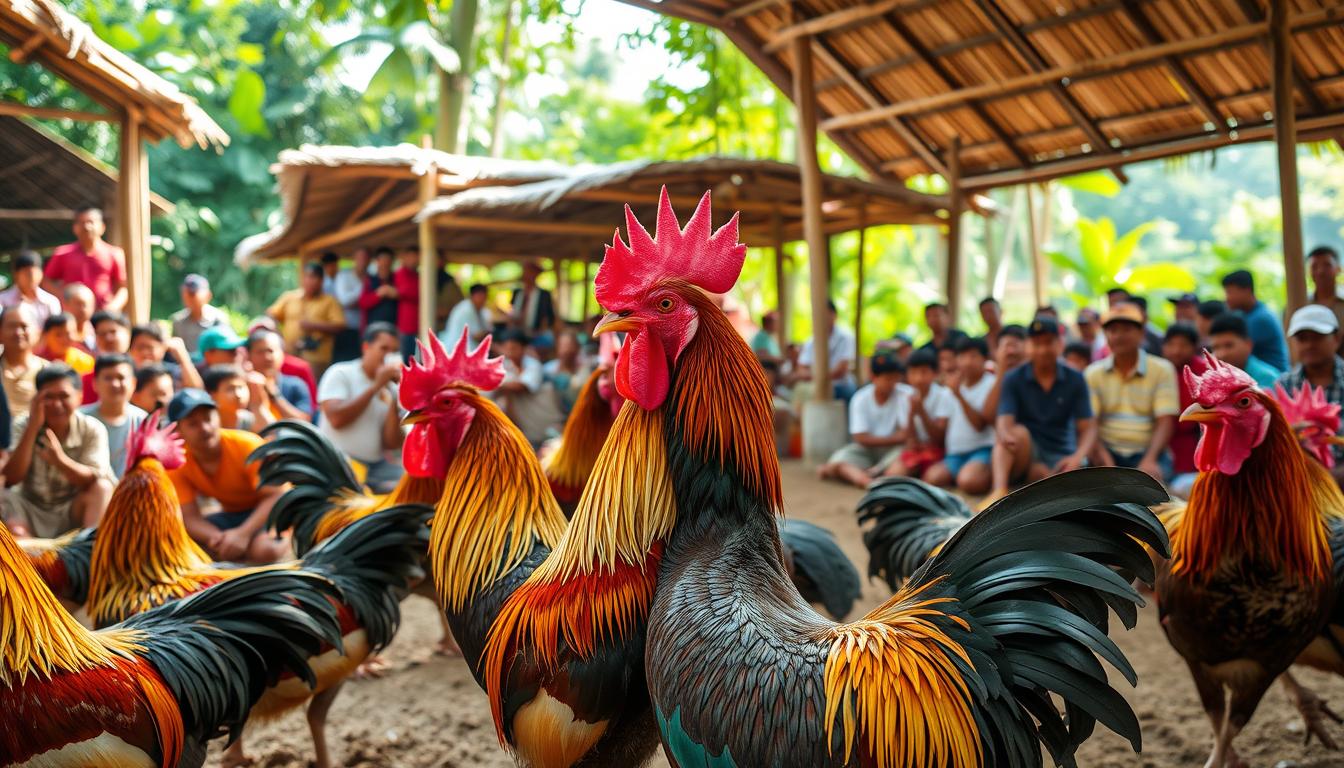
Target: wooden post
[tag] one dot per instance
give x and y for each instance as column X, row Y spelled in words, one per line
column 561, row 268
column 429, row 266
column 587, row 287
column 1285, row 139
column 805, row 101
column 858, row 295
column 783, row 288
column 133, row 217
column 958, row 204
column 1038, row 276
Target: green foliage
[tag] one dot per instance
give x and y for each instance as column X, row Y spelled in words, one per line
column 1103, row 260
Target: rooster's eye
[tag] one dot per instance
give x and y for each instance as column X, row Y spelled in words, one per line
column 1244, row 402
column 665, row 305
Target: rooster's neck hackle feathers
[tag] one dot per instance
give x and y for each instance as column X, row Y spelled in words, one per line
column 1271, row 511
column 585, row 433
column 495, row 503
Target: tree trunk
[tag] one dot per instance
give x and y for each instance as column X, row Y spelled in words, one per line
column 453, row 86
column 501, row 84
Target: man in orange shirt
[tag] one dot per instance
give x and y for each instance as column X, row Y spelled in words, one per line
column 90, row 261
column 217, row 468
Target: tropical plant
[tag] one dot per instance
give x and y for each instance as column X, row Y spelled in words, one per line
column 1104, row 260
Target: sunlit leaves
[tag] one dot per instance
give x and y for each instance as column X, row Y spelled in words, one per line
column 246, row 101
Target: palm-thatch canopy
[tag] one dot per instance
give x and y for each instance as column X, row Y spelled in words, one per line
column 334, row 197
column 1034, row 89
column 574, row 215
column 43, row 180
column 42, row 31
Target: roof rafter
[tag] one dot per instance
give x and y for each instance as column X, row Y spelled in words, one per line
column 1193, row 92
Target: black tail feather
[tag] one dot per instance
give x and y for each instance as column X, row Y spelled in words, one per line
column 910, row 520
column 300, row 454
column 821, row 571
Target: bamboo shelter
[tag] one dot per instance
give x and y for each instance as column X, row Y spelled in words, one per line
column 144, row 105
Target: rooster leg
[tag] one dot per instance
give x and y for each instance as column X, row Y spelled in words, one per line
column 317, row 724
column 1313, row 709
column 234, row 756
column 1243, row 698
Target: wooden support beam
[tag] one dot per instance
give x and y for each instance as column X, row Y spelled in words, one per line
column 1285, row 139
column 19, row 54
column 37, row 214
column 685, row 9
column 402, row 214
column 1038, row 265
column 1179, row 73
column 429, row 262
column 783, row 288
column 1106, row 64
column 55, row 113
column 1253, row 12
column 747, row 9
column 133, row 216
column 858, row 298
column 830, row 22
column 587, row 289
column 818, row 259
column 523, row 226
column 369, row 202
column 953, row 278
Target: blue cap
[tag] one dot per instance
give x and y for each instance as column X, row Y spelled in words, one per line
column 186, row 401
column 219, row 337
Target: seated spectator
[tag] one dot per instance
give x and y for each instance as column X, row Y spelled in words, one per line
column 58, row 345
column 58, row 476
column 287, row 394
column 470, row 313
column 240, row 397
column 216, row 468
column 26, row 288
column 18, row 364
column 1011, row 350
column 1208, row 312
column 153, row 388
column 1089, row 333
column 1115, row 296
column 1184, row 309
column 931, row 406
column 900, row 344
column 1134, row 398
column 783, row 418
column 1181, row 349
column 879, row 427
column 114, row 378
column 1044, row 423
column 1048, row 311
column 1323, row 266
column 947, row 356
column 1315, row 335
column 220, row 346
column 567, row 372
column 111, row 336
column 1078, row 355
column 1152, row 335
column 358, row 399
column 969, row 439
column 992, row 314
column 290, row 365
column 765, row 343
column 1267, row 342
column 149, row 347
column 840, row 347
column 1231, row 342
column 938, row 320
column 524, row 395
column 197, row 314
column 77, row 300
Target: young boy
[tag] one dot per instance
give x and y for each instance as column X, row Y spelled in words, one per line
column 153, row 388
column 970, row 428
column 1078, row 355
column 229, row 387
column 114, row 380
column 58, row 343
column 879, row 426
column 930, row 408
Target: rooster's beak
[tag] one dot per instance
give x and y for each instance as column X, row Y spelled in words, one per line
column 1199, row 413
column 414, row 417
column 1335, row 440
column 615, row 321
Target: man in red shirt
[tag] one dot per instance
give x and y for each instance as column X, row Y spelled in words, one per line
column 90, row 261
column 406, row 280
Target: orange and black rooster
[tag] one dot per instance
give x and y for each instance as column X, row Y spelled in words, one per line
column 956, row 669
column 152, row 690
column 1249, row 585
column 63, row 564
column 143, row 557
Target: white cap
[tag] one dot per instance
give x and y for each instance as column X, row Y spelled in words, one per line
column 1313, row 317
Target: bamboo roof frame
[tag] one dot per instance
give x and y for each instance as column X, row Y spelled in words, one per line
column 1037, row 89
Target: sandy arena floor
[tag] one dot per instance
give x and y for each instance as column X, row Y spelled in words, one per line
column 429, row 712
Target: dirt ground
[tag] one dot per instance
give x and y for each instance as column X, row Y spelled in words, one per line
column 429, row 712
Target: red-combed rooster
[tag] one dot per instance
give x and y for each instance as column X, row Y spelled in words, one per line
column 143, row 557
column 153, row 690
column 1249, row 585
column 63, row 564
column 569, row 466
column 956, row 669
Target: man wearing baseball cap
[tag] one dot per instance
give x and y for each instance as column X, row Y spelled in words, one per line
column 1315, row 334
column 1185, row 307
column 219, row 346
column 216, row 468
column 197, row 313
column 1134, row 397
column 1045, row 424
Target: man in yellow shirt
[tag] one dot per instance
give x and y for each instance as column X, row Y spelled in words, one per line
column 1134, row 397
column 309, row 319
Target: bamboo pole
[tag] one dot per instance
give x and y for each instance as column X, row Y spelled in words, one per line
column 804, row 99
column 1038, row 288
column 133, row 216
column 858, row 295
column 953, row 277
column 561, row 268
column 429, row 267
column 587, row 288
column 1285, row 139
column 782, row 285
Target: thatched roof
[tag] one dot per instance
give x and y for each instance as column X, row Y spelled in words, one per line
column 573, row 216
column 1038, row 88
column 334, row 197
column 44, row 32
column 43, row 180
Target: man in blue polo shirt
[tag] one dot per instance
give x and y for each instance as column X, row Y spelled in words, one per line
column 1045, row 424
column 1267, row 339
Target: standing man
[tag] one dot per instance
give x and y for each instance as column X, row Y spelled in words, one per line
column 1266, row 333
column 26, row 290
column 197, row 314
column 1185, row 308
column 91, row 261
column 1045, row 424
column 1089, row 332
column 358, row 399
column 1181, row 348
column 992, row 314
column 406, row 290
column 1208, row 312
column 533, row 310
column 1315, row 334
column 1134, row 398
column 841, row 351
column 18, row 363
column 345, row 285
column 936, row 317
column 1323, row 264
column 449, row 292
column 1231, row 342
column 309, row 319
column 471, row 314
column 114, row 379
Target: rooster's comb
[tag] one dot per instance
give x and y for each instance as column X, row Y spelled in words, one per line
column 434, row 368
column 150, row 441
column 1308, row 406
column 1220, row 381
column 711, row 260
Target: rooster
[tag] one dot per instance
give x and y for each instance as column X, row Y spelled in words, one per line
column 143, row 557
column 956, row 669
column 153, row 690
column 63, row 564
column 1249, row 584
column 568, row 467
column 912, row 520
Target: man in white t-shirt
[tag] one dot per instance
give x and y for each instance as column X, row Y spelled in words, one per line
column 969, row 442
column 471, row 314
column 879, row 426
column 840, row 344
column 358, row 399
